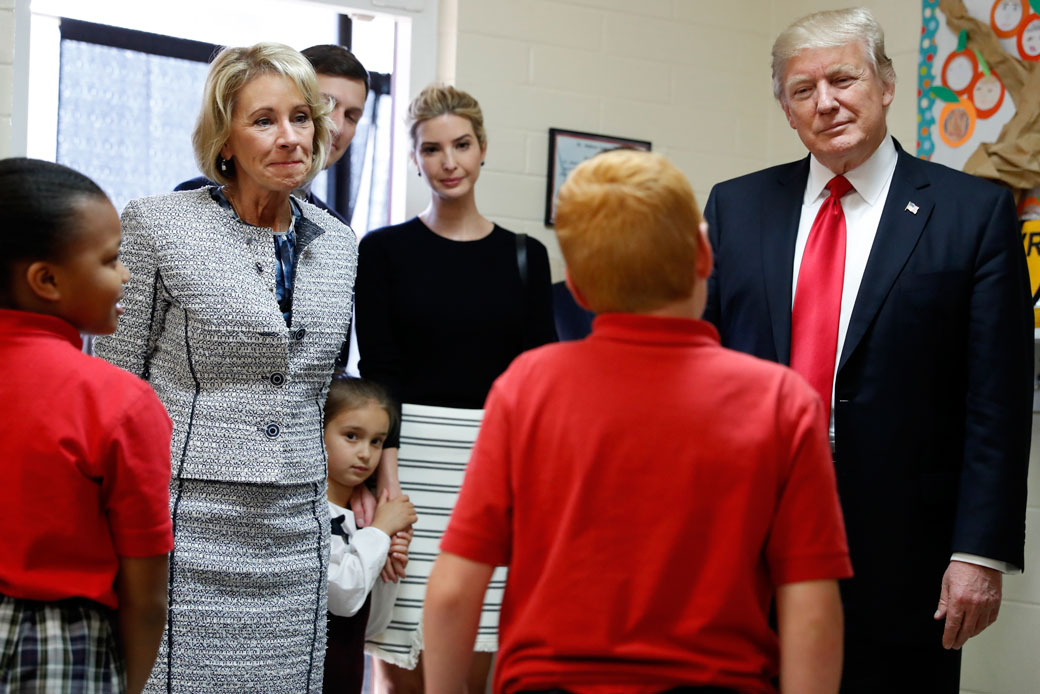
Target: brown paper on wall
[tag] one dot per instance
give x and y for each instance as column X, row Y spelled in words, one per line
column 1014, row 159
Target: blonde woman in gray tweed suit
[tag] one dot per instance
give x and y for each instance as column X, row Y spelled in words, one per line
column 239, row 302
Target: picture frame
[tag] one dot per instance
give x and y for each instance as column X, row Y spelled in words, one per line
column 567, row 149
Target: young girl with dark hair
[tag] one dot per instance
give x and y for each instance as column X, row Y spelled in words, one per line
column 84, row 488
column 359, row 416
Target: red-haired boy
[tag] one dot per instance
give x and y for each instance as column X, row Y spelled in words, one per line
column 651, row 492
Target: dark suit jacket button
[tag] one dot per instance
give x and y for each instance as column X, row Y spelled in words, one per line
column 277, row 379
column 272, row 431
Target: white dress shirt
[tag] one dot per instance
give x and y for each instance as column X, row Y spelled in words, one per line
column 354, row 572
column 862, row 206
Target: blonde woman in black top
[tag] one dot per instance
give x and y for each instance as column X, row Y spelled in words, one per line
column 445, row 301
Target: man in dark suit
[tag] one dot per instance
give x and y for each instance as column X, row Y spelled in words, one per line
column 905, row 301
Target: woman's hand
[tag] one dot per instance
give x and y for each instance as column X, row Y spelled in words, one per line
column 386, row 474
column 363, row 504
column 394, row 515
column 386, row 479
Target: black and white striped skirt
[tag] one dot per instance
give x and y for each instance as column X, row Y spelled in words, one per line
column 435, row 448
column 247, row 589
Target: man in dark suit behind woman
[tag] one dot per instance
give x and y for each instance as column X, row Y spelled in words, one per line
column 910, row 314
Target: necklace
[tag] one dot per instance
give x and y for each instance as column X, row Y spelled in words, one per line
column 231, row 199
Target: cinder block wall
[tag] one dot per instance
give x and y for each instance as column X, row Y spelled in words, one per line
column 692, row 76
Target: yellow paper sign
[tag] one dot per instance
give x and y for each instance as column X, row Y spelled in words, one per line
column 1031, row 243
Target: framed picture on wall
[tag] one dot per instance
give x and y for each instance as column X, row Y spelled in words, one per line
column 567, row 149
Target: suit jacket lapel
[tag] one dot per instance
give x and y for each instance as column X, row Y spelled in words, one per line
column 783, row 203
column 897, row 235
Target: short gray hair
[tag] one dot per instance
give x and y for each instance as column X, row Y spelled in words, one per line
column 832, row 29
column 233, row 69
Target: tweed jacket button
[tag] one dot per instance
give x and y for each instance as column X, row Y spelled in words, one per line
column 272, row 431
column 259, row 269
column 300, row 334
column 277, row 379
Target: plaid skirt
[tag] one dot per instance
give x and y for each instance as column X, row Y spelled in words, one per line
column 435, row 446
column 58, row 647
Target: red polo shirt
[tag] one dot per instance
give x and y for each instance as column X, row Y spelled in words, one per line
column 85, row 472
column 649, row 490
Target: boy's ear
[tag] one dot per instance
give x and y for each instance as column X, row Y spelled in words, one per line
column 42, row 281
column 574, row 290
column 705, row 262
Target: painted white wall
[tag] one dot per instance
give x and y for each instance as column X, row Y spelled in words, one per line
column 692, row 76
column 648, row 70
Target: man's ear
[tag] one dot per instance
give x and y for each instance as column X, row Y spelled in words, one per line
column 40, row 277
column 574, row 291
column 888, row 94
column 705, row 262
column 787, row 114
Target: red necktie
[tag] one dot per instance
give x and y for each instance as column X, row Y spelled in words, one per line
column 817, row 297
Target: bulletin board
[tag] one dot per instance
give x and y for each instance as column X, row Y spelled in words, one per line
column 964, row 101
column 979, row 99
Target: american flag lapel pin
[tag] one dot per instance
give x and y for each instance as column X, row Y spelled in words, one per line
column 912, row 207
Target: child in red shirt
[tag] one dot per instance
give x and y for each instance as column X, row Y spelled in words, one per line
column 651, row 492
column 84, row 487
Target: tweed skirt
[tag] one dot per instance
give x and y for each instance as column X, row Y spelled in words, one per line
column 435, row 447
column 247, row 596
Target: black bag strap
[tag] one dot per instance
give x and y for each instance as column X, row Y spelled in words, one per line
column 521, row 258
column 521, row 265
